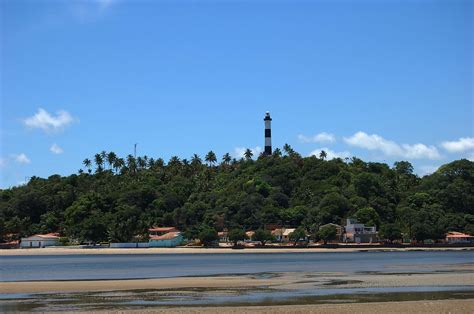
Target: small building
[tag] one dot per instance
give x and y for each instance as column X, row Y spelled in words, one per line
column 170, row 239
column 223, row 236
column 249, row 234
column 359, row 233
column 40, row 240
column 339, row 231
column 283, row 234
column 458, row 237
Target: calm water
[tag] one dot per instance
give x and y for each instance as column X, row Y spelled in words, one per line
column 71, row 267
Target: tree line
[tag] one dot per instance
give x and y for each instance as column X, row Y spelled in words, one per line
column 118, row 199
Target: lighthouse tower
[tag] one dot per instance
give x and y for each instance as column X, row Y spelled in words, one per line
column 268, row 134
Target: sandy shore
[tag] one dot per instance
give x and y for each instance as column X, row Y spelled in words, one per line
column 438, row 306
column 279, row 281
column 184, row 250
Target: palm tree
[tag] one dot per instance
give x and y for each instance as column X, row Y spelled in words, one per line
column 141, row 162
column 131, row 163
column 151, row 162
column 119, row 163
column 323, row 155
column 111, row 157
column 226, row 158
column 99, row 161
column 277, row 152
column 103, row 154
column 88, row 164
column 288, row 150
column 196, row 160
column 248, row 154
column 174, row 161
column 210, row 158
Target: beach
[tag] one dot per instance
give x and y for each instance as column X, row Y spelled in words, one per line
column 329, row 281
column 438, row 306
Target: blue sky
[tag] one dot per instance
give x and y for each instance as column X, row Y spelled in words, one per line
column 380, row 80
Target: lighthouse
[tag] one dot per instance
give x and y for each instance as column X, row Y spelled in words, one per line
column 268, row 134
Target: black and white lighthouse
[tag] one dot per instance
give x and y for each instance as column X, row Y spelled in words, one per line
column 268, row 134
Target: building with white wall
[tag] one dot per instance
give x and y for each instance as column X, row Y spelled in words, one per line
column 40, row 240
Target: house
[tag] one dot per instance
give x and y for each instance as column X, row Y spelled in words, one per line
column 282, row 234
column 40, row 240
column 223, row 236
column 339, row 231
column 170, row 239
column 359, row 233
column 458, row 237
column 249, row 234
column 164, row 237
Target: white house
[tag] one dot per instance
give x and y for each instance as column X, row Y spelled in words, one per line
column 359, row 233
column 40, row 240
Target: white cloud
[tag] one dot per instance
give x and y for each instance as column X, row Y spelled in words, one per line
column 322, row 137
column 47, row 122
column 461, row 145
column 390, row 148
column 428, row 169
column 330, row 154
column 3, row 162
column 240, row 151
column 21, row 159
column 55, row 149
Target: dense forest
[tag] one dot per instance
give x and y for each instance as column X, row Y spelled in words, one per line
column 116, row 199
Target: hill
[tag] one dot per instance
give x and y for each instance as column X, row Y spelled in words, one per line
column 121, row 198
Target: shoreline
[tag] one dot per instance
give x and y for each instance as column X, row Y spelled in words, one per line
column 194, row 250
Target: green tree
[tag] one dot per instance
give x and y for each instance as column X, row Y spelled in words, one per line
column 327, row 233
column 248, row 154
column 99, row 161
column 210, row 158
column 208, row 236
column 368, row 216
column 111, row 158
column 226, row 159
column 298, row 235
column 125, row 224
column 262, row 236
column 323, row 155
column 391, row 232
column 236, row 235
column 88, row 164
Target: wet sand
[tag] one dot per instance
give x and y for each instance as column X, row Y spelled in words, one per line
column 438, row 306
column 194, row 250
column 275, row 281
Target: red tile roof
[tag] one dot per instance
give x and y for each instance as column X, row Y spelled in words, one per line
column 162, row 229
column 458, row 235
column 167, row 236
column 46, row 236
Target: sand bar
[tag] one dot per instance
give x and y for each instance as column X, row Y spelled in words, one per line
column 281, row 281
column 438, row 306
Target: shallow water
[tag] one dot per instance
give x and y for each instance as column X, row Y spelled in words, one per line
column 89, row 267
